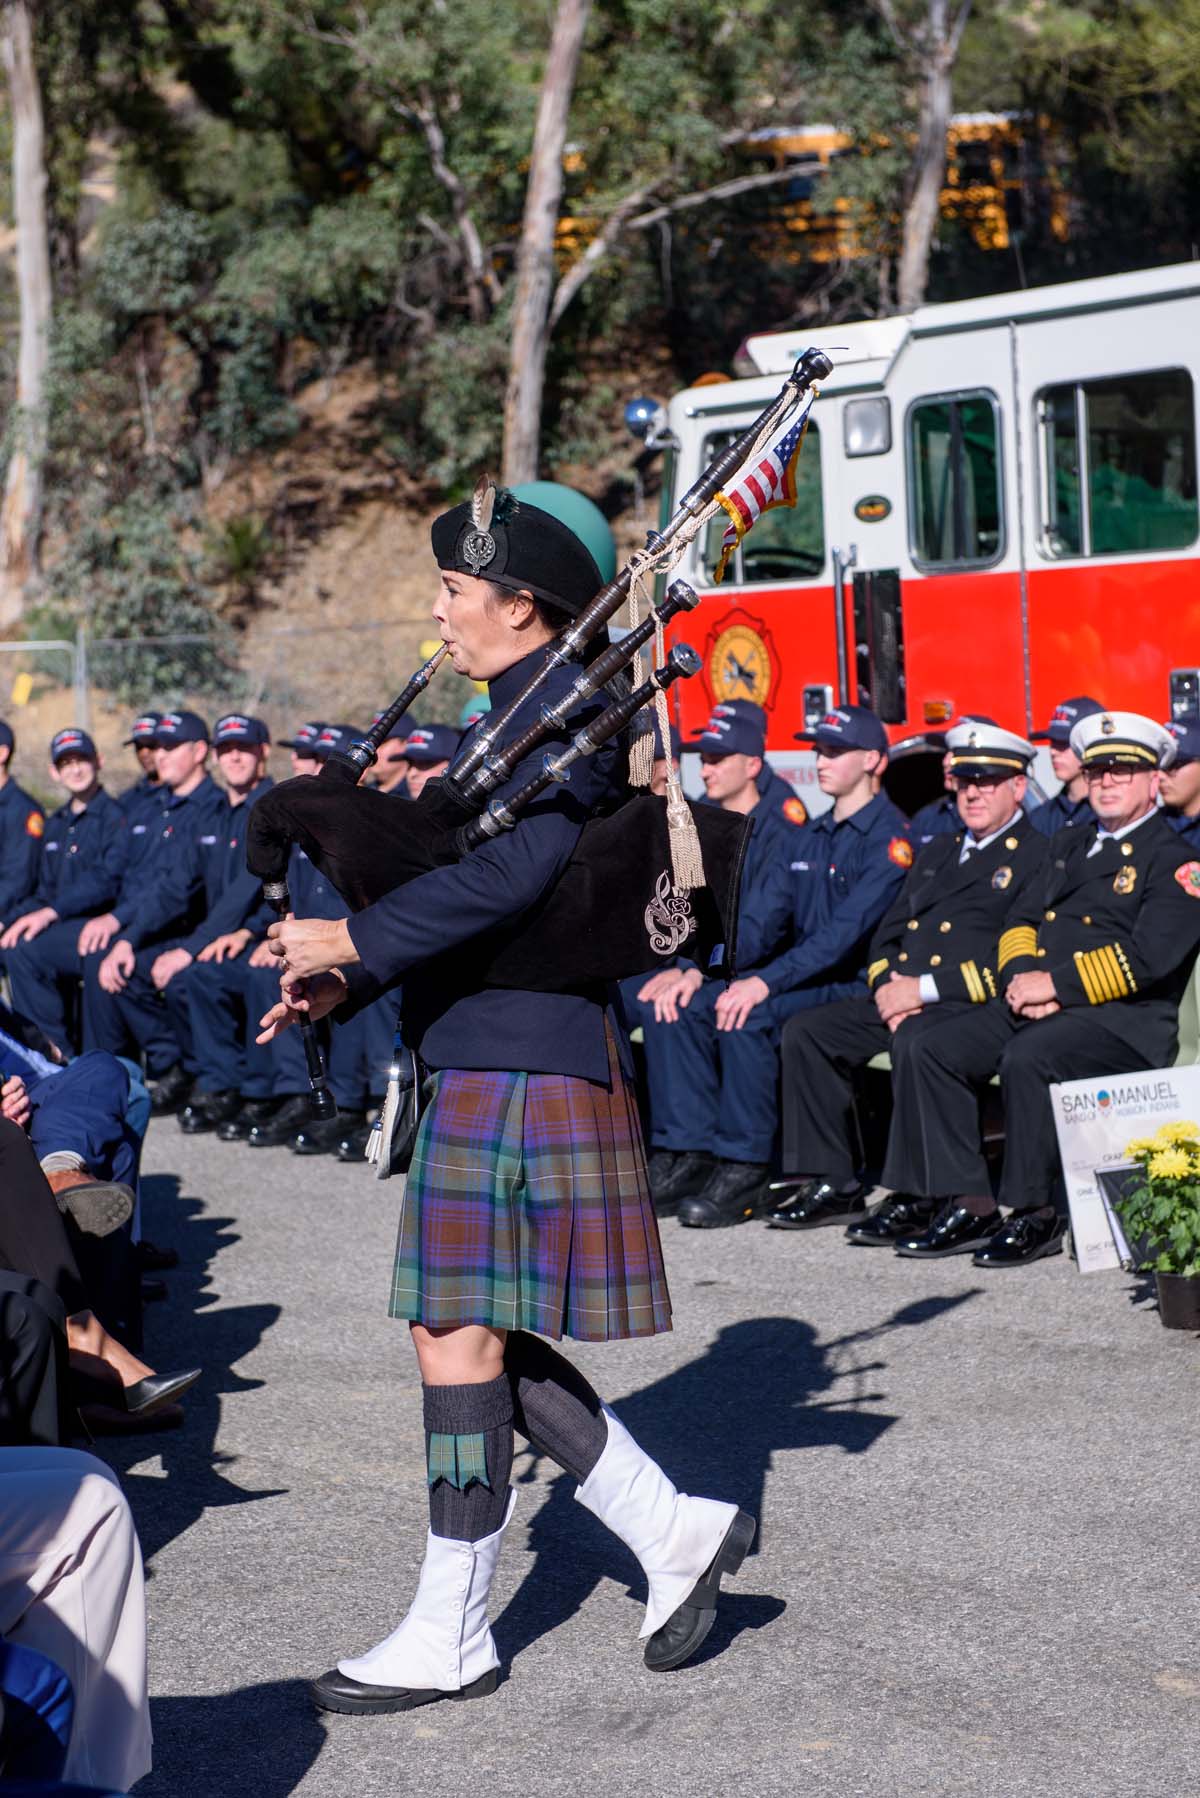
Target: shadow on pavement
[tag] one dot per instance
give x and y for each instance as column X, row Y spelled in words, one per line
column 765, row 1385
column 259, row 1741
column 184, row 1333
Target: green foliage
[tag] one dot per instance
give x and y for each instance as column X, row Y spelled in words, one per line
column 1162, row 1206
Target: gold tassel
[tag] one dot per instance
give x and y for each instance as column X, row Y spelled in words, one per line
column 687, row 862
column 641, row 748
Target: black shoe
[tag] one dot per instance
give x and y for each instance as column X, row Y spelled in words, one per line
column 1025, row 1237
column 253, row 1111
column 732, row 1193
column 152, row 1289
column 291, row 1116
column 204, row 1111
column 676, row 1174
column 353, row 1146
column 151, row 1259
column 336, row 1691
column 169, row 1093
column 321, row 1136
column 954, row 1231
column 809, row 1204
column 900, row 1216
column 158, row 1389
column 687, row 1626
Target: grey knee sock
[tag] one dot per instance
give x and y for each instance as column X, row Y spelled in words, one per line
column 469, row 1451
column 553, row 1405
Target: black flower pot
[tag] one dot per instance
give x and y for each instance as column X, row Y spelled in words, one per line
column 1178, row 1301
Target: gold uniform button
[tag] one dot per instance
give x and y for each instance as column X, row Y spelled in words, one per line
column 1050, row 916
column 903, row 956
column 914, row 924
column 1126, row 848
column 1012, row 843
column 944, row 926
column 1041, row 952
column 935, row 961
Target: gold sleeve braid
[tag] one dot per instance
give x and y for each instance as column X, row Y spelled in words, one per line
column 973, row 982
column 1020, row 940
column 990, row 979
column 1105, row 973
column 876, row 969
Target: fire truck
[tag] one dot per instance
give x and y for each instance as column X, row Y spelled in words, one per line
column 996, row 509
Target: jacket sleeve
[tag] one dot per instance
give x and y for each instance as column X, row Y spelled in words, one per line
column 20, row 862
column 491, row 886
column 765, row 913
column 234, row 908
column 977, row 981
column 1165, row 934
column 851, row 922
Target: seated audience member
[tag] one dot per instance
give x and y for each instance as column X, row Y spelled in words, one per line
column 805, row 925
column 940, row 817
column 429, row 749
column 35, row 1243
column 72, row 1589
column 37, row 1711
column 34, row 1404
column 301, row 746
column 160, row 903
column 1091, row 967
column 85, row 853
column 1180, row 782
column 932, row 958
column 732, row 749
column 22, row 826
column 390, row 771
column 1070, row 805
column 144, row 799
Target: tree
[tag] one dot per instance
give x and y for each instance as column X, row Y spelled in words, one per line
column 21, row 514
column 927, row 34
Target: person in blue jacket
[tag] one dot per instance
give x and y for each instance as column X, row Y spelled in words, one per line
column 1069, row 806
column 161, row 901
column 22, row 827
column 732, row 749
column 526, row 1209
column 147, row 794
column 1179, row 785
column 802, row 940
column 85, row 852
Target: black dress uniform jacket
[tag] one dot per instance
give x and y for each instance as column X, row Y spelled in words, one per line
column 947, row 918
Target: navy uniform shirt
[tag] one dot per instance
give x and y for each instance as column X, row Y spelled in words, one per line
column 143, row 806
column 163, row 891
column 940, row 818
column 1061, row 813
column 84, row 858
column 812, row 920
column 22, row 824
column 421, row 933
column 233, row 898
column 1184, row 826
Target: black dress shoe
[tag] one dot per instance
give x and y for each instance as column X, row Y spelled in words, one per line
column 151, row 1259
column 170, row 1092
column 204, row 1111
column 353, row 1146
column 335, row 1691
column 954, row 1231
column 291, row 1116
column 253, row 1111
column 899, row 1216
column 732, row 1194
column 687, row 1626
column 809, row 1204
column 158, row 1389
column 321, row 1136
column 1025, row 1237
column 676, row 1174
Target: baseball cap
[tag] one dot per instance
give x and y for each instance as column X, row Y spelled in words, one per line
column 1063, row 719
column 180, row 727
column 473, row 710
column 332, row 737
column 432, row 743
column 402, row 729
column 71, row 742
column 236, row 727
column 306, row 735
column 1186, row 732
column 142, row 730
column 847, row 727
column 735, row 727
column 7, row 740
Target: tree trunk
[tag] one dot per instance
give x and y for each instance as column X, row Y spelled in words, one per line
column 535, row 256
column 20, row 516
column 934, row 47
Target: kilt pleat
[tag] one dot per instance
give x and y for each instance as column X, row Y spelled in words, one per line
column 527, row 1207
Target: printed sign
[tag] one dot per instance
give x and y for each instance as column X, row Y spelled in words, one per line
column 1095, row 1120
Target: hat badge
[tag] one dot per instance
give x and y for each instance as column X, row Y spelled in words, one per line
column 973, row 740
column 478, row 546
column 1107, row 727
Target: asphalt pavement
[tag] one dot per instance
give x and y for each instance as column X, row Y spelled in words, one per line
column 976, row 1573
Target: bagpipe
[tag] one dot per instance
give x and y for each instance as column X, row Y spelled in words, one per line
column 625, row 901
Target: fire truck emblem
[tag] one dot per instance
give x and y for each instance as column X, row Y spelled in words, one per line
column 741, row 661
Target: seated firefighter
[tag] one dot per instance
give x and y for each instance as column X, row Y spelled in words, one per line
column 1092, row 962
column 933, row 958
column 806, row 922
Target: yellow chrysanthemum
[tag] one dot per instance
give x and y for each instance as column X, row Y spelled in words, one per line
column 1170, row 1164
column 1141, row 1145
column 1183, row 1132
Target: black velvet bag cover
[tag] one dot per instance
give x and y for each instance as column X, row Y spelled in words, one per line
column 612, row 913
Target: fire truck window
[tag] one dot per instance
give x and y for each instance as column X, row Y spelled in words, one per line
column 954, row 461
column 1132, row 485
column 788, row 542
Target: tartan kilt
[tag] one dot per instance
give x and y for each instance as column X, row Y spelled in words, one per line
column 527, row 1207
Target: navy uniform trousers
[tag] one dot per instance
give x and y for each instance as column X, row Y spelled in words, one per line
column 138, row 1017
column 84, row 1107
column 43, row 974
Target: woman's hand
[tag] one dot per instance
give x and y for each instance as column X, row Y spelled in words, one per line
column 308, row 946
column 317, row 997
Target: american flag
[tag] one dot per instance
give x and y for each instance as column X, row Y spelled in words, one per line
column 771, row 482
